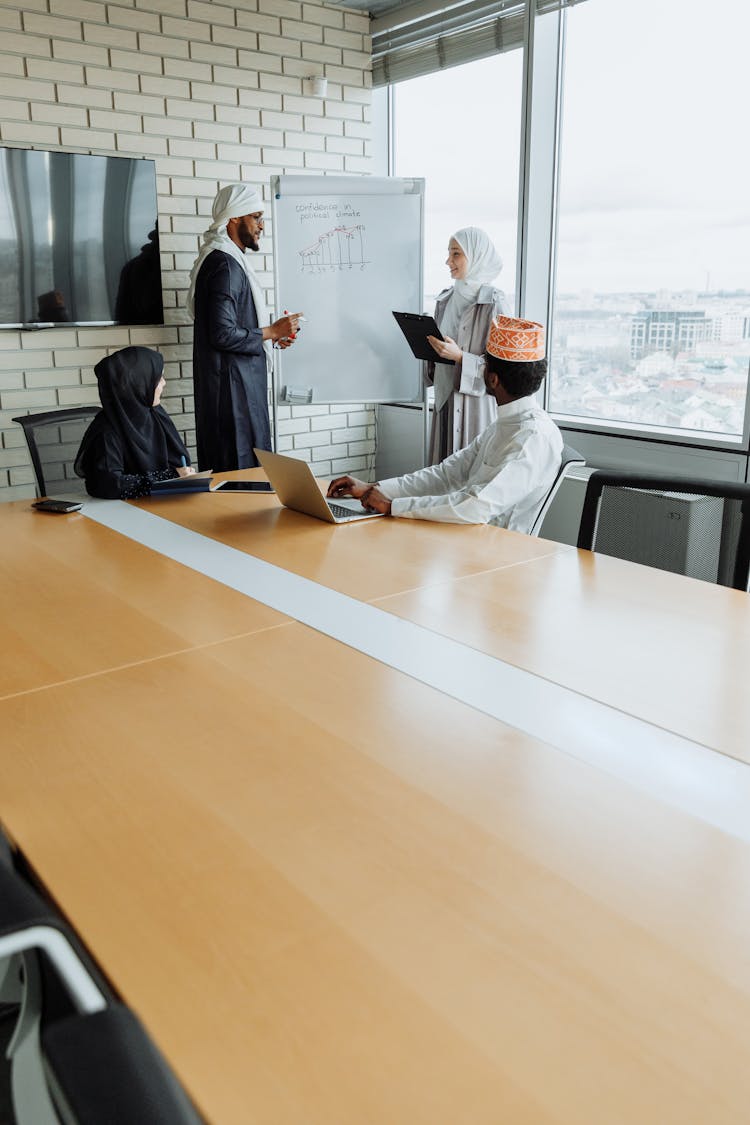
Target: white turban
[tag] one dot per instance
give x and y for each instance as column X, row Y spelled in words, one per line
column 231, row 202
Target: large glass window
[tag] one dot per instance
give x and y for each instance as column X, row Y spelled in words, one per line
column 460, row 130
column 652, row 305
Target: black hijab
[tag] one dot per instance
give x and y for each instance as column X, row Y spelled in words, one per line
column 127, row 383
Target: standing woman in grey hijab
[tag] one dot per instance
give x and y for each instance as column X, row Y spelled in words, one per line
column 464, row 313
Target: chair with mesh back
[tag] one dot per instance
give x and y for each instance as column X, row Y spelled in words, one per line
column 695, row 527
column 570, row 456
column 53, row 439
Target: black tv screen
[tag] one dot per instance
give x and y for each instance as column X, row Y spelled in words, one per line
column 79, row 240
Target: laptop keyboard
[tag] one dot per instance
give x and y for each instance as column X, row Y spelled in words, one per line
column 339, row 511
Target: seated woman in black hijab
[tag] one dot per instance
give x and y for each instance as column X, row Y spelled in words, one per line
column 132, row 441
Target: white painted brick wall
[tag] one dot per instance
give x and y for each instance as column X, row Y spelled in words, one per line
column 212, row 92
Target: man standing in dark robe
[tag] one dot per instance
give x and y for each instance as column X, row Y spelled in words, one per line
column 233, row 339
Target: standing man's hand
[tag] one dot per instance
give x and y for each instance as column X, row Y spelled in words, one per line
column 284, row 330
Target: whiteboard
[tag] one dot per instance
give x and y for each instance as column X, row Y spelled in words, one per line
column 347, row 251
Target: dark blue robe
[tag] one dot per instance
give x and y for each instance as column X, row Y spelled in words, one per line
column 229, row 368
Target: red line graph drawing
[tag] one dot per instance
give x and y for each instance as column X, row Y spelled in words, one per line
column 341, row 248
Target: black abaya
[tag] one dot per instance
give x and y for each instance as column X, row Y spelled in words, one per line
column 130, row 442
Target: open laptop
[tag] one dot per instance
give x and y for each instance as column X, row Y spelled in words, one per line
column 297, row 488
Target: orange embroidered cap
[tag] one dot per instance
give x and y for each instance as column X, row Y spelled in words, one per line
column 519, row 341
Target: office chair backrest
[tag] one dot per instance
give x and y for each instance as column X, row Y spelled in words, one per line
column 570, row 456
column 53, row 438
column 688, row 526
column 102, row 1067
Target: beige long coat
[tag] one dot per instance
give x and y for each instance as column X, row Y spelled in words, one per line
column 462, row 406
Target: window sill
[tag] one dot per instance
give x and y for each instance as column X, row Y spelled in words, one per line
column 661, row 435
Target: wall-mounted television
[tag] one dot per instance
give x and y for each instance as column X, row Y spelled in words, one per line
column 79, row 240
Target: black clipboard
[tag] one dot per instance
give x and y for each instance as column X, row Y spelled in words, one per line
column 417, row 327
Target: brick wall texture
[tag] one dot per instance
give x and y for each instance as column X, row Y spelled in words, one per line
column 214, row 93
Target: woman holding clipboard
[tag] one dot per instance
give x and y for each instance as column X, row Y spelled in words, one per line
column 464, row 314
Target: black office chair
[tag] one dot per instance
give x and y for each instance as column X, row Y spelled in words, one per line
column 104, row 1068
column 76, row 1057
column 570, row 456
column 696, row 527
column 53, row 438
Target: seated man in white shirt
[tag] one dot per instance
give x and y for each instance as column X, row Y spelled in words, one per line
column 503, row 477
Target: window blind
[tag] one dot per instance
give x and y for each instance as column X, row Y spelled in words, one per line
column 415, row 39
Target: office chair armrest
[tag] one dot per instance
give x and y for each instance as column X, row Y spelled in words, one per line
column 27, row 922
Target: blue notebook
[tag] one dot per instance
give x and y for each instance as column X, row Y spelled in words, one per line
column 177, row 486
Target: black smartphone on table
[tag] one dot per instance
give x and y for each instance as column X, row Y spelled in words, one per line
column 59, row 506
column 243, row 486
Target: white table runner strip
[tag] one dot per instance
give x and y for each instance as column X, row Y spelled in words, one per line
column 692, row 777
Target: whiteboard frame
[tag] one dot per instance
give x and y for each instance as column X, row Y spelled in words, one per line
column 307, row 186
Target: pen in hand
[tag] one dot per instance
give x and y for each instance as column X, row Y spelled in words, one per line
column 300, row 320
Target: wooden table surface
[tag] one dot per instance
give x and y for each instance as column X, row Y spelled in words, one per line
column 672, row 650
column 335, row 905
column 336, row 895
column 78, row 598
column 367, row 559
column 668, row 649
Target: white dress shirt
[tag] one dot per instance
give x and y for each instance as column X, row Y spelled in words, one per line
column 502, row 478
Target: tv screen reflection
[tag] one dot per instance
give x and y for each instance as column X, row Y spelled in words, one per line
column 79, row 240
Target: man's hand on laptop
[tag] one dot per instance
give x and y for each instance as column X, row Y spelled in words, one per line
column 370, row 496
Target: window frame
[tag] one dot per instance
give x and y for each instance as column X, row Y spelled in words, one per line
column 538, row 198
column 678, row 439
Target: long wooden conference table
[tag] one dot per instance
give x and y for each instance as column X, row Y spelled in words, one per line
column 390, row 822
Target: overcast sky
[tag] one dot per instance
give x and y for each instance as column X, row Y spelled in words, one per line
column 655, row 167
column 442, row 134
